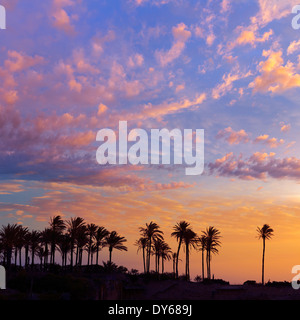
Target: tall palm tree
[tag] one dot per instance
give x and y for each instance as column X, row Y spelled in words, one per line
column 34, row 244
column 165, row 254
column 115, row 241
column 151, row 232
column 141, row 243
column 202, row 245
column 101, row 233
column 264, row 233
column 26, row 245
column 179, row 231
column 212, row 243
column 64, row 246
column 190, row 240
column 45, row 239
column 73, row 228
column 81, row 242
column 57, row 226
column 157, row 248
column 19, row 242
column 91, row 231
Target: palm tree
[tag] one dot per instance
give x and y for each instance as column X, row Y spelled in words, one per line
column 174, row 258
column 41, row 254
column 212, row 236
column 57, row 226
column 190, row 240
column 114, row 241
column 157, row 248
column 202, row 245
column 101, row 233
column 81, row 242
column 151, row 232
column 34, row 244
column 8, row 235
column 93, row 250
column 91, row 231
column 165, row 254
column 19, row 243
column 27, row 242
column 179, row 231
column 264, row 233
column 45, row 239
column 142, row 244
column 73, row 228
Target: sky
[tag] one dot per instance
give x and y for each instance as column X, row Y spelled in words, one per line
column 69, row 68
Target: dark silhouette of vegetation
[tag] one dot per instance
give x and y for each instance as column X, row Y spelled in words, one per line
column 264, row 233
column 70, row 238
column 73, row 237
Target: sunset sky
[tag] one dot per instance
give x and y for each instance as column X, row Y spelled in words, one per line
column 71, row 67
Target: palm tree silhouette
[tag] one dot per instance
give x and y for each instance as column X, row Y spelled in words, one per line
column 73, row 228
column 212, row 236
column 57, row 226
column 64, row 246
column 190, row 240
column 81, row 242
column 179, row 231
column 151, row 232
column 202, row 245
column 19, row 243
column 101, row 233
column 264, row 233
column 34, row 244
column 115, row 241
column 141, row 243
column 45, row 239
column 91, row 231
column 8, row 235
column 165, row 254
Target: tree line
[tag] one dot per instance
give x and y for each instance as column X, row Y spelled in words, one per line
column 152, row 243
column 74, row 236
column 70, row 238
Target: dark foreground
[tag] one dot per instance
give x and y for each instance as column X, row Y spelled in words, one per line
column 91, row 285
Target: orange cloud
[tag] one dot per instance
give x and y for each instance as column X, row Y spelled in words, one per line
column 233, row 137
column 275, row 76
column 180, row 35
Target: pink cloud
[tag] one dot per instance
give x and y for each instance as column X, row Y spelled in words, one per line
column 233, row 137
column 180, row 35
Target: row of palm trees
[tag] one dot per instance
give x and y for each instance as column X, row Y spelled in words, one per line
column 152, row 243
column 70, row 238
column 74, row 236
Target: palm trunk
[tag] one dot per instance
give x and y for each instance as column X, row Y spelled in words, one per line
column 177, row 257
column 72, row 249
column 110, row 254
column 187, row 262
column 202, row 264
column 97, row 256
column 32, row 257
column 148, row 256
column 207, row 264
column 263, row 264
column 20, row 260
column 144, row 259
